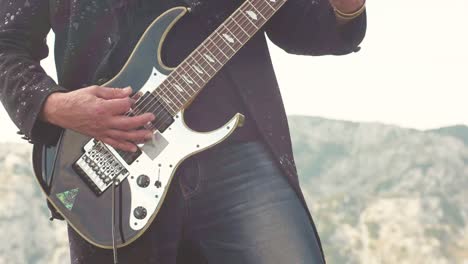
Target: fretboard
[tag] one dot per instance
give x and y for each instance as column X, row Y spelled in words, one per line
column 187, row 80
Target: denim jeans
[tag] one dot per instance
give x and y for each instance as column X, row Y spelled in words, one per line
column 229, row 204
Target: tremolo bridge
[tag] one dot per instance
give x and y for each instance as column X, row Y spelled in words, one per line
column 99, row 167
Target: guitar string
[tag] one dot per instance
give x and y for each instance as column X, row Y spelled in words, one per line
column 169, row 77
column 197, row 57
column 246, row 25
column 185, row 62
column 223, row 44
column 164, row 88
column 240, row 28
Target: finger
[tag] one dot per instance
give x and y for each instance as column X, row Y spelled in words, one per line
column 130, row 123
column 119, row 106
column 118, row 144
column 137, row 95
column 136, row 136
column 112, row 93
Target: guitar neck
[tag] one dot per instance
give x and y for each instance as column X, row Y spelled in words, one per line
column 189, row 78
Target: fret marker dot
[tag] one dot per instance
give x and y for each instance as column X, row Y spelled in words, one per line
column 198, row 69
column 178, row 87
column 252, row 14
column 228, row 38
column 209, row 58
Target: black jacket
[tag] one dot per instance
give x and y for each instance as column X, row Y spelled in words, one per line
column 89, row 32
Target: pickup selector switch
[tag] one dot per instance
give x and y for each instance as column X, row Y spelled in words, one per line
column 139, row 212
column 143, row 181
column 158, row 184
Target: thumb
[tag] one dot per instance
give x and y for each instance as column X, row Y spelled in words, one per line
column 113, row 93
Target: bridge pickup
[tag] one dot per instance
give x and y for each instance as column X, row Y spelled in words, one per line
column 129, row 157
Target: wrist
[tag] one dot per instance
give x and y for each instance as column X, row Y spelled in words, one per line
column 347, row 11
column 52, row 107
column 347, row 6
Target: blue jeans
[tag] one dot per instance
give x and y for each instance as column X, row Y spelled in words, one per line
column 229, row 204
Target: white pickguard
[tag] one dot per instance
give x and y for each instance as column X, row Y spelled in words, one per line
column 182, row 142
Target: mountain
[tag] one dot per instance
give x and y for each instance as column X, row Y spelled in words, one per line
column 459, row 131
column 378, row 194
column 27, row 234
column 384, row 194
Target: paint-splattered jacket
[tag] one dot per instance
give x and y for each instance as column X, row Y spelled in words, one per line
column 88, row 31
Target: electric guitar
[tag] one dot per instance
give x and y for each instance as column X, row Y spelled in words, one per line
column 110, row 197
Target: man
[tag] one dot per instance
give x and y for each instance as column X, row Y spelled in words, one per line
column 240, row 201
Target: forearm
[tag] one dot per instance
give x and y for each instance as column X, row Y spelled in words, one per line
column 24, row 85
column 311, row 28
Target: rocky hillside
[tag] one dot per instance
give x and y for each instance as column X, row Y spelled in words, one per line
column 378, row 193
column 383, row 194
column 27, row 234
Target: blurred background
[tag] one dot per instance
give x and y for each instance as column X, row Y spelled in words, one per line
column 380, row 138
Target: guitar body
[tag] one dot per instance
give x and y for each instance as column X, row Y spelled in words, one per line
column 70, row 169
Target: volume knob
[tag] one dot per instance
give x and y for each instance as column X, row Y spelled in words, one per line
column 139, row 212
column 143, row 181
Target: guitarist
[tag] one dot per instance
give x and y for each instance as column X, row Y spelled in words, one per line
column 239, row 202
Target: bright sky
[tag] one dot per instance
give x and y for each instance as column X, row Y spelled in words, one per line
column 411, row 70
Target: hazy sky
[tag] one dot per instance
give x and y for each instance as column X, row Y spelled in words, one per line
column 410, row 72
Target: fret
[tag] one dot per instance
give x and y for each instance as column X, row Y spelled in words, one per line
column 195, row 71
column 220, row 49
column 198, row 74
column 257, row 12
column 266, row 1
column 167, row 101
column 180, row 84
column 254, row 16
column 198, row 68
column 276, row 4
column 233, row 35
column 205, row 61
column 186, row 79
column 233, row 19
column 250, row 16
column 180, row 90
column 152, row 104
column 168, row 95
column 188, row 76
column 210, row 57
column 209, row 64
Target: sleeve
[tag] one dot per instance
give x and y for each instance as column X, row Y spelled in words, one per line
column 24, row 85
column 309, row 27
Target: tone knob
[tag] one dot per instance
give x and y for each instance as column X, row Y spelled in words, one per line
column 143, row 181
column 139, row 212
